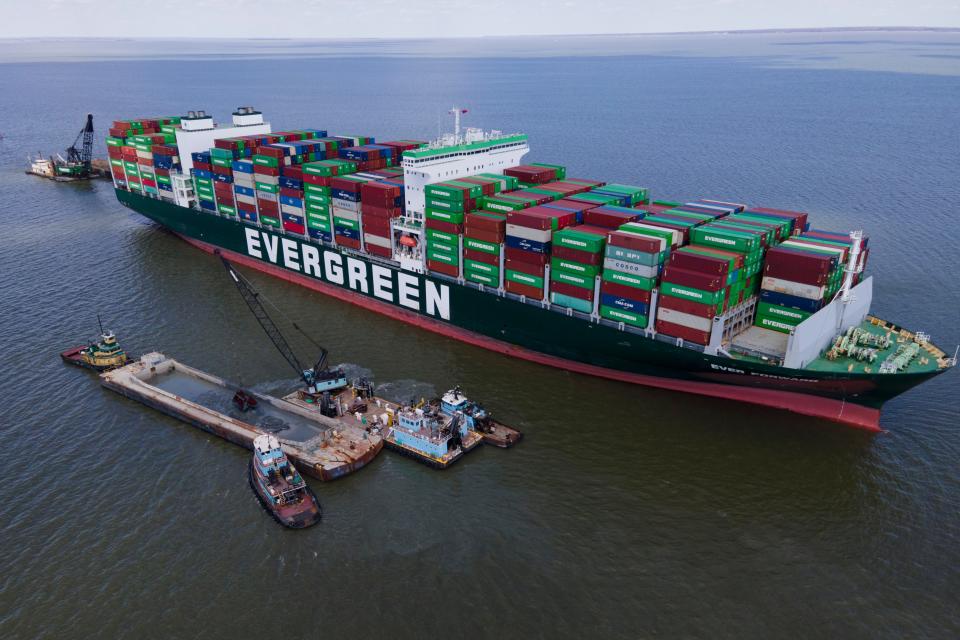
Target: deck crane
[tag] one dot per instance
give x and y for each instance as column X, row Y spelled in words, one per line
column 318, row 379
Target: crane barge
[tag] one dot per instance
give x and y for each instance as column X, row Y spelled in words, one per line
column 79, row 163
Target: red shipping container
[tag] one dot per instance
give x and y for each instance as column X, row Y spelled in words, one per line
column 225, row 198
column 799, row 217
column 260, row 170
column 115, row 152
column 481, row 256
column 529, row 257
column 486, row 187
column 480, row 222
column 376, row 226
column 345, row 185
column 647, row 244
column 583, row 257
column 695, row 279
column 222, row 187
column 293, row 227
column 722, row 253
column 699, row 263
column 680, row 331
column 322, row 181
column 203, row 166
column 485, row 236
column 443, row 267
column 246, row 206
column 525, row 267
column 698, row 309
column 609, row 219
column 573, row 205
column 379, row 194
column 268, row 207
column 344, row 241
column 571, row 290
column 623, row 291
column 523, row 289
column 293, row 172
column 380, row 212
column 147, row 182
column 272, row 152
column 527, row 173
column 118, row 173
column 443, row 225
column 377, row 250
column 291, row 193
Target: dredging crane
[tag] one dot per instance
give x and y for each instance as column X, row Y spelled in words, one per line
column 318, row 379
column 79, row 163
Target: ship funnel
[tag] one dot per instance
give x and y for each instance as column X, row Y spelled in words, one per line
column 191, row 114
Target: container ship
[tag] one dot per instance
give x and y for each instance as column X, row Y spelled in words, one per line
column 462, row 237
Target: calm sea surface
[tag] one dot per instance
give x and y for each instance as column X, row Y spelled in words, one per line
column 627, row 512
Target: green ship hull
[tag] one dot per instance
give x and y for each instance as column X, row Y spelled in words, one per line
column 528, row 330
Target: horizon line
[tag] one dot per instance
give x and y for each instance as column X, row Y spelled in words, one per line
column 860, row 29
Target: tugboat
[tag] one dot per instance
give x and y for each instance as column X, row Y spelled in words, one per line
column 478, row 419
column 279, row 486
column 98, row 356
column 425, row 433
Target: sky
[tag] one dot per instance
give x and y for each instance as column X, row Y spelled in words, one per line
column 449, row 18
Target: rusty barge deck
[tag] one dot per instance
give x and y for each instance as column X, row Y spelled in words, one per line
column 322, row 447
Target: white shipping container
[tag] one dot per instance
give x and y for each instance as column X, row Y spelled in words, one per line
column 684, row 319
column 537, row 235
column 677, row 236
column 808, row 291
column 645, row 271
column 345, row 205
column 345, row 213
column 266, row 179
column 245, row 199
column 378, row 241
column 269, row 197
column 288, row 208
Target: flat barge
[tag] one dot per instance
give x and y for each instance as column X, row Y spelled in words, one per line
column 323, row 447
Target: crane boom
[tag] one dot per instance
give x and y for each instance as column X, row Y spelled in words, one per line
column 252, row 298
column 83, row 155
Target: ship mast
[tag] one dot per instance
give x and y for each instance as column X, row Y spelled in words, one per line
column 852, row 268
column 456, row 112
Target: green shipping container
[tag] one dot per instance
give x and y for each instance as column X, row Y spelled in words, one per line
column 346, row 223
column 227, row 209
column 710, row 236
column 445, row 216
column 561, row 170
column 269, row 221
column 775, row 325
column 560, row 275
column 689, row 293
column 481, row 245
column 578, row 268
column 446, row 205
column 569, row 237
column 620, row 315
column 266, row 161
column 267, row 188
column 784, row 314
column 442, row 256
column 562, row 300
column 628, row 279
column 482, row 267
column 524, row 278
column 434, row 235
column 481, row 278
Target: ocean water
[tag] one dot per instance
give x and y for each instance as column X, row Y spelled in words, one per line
column 626, row 512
